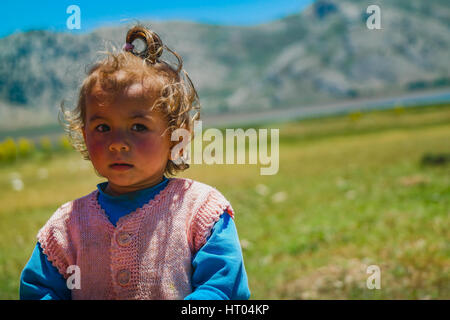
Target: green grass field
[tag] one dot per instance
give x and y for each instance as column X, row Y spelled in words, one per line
column 351, row 192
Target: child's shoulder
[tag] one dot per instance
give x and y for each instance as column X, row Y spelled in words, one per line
column 206, row 197
column 194, row 186
column 66, row 210
column 207, row 206
column 58, row 223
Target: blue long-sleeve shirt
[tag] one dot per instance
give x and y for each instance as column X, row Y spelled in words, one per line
column 218, row 267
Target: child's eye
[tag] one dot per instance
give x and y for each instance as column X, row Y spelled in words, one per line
column 100, row 126
column 140, row 127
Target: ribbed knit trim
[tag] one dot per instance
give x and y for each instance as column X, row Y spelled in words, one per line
column 50, row 244
column 207, row 215
column 95, row 205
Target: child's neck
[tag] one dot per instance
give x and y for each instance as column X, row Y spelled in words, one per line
column 114, row 190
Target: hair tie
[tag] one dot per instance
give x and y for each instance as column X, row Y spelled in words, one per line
column 128, row 47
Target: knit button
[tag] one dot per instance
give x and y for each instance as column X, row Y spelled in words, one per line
column 124, row 238
column 123, row 277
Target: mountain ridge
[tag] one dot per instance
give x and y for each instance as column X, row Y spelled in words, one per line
column 322, row 54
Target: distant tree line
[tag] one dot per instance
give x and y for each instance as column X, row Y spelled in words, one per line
column 13, row 150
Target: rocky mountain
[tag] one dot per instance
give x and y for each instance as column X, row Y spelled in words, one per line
column 322, row 54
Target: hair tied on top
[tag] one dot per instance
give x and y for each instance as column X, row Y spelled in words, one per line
column 128, row 47
column 153, row 44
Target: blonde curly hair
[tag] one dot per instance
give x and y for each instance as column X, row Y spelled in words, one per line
column 178, row 99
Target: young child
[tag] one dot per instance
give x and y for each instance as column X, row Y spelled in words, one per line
column 140, row 235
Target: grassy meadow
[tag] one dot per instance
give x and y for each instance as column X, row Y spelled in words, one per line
column 350, row 192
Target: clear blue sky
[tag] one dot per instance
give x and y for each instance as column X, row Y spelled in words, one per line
column 18, row 15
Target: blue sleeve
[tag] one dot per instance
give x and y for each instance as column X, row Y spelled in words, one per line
column 40, row 280
column 218, row 267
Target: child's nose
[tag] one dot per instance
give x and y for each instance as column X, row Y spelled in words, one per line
column 119, row 143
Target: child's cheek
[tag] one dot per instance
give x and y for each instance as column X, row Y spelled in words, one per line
column 144, row 146
column 95, row 147
column 149, row 147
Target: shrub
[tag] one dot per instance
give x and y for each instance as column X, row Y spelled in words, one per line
column 64, row 144
column 25, row 147
column 355, row 116
column 8, row 150
column 45, row 145
column 398, row 110
column 438, row 159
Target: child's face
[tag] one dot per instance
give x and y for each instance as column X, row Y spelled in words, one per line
column 127, row 132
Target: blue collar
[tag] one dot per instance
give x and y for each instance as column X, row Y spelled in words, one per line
column 117, row 206
column 130, row 196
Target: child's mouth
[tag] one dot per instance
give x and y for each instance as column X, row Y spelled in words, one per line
column 121, row 166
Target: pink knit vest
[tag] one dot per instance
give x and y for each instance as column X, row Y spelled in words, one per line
column 147, row 255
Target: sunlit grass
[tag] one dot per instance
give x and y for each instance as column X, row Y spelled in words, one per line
column 349, row 193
